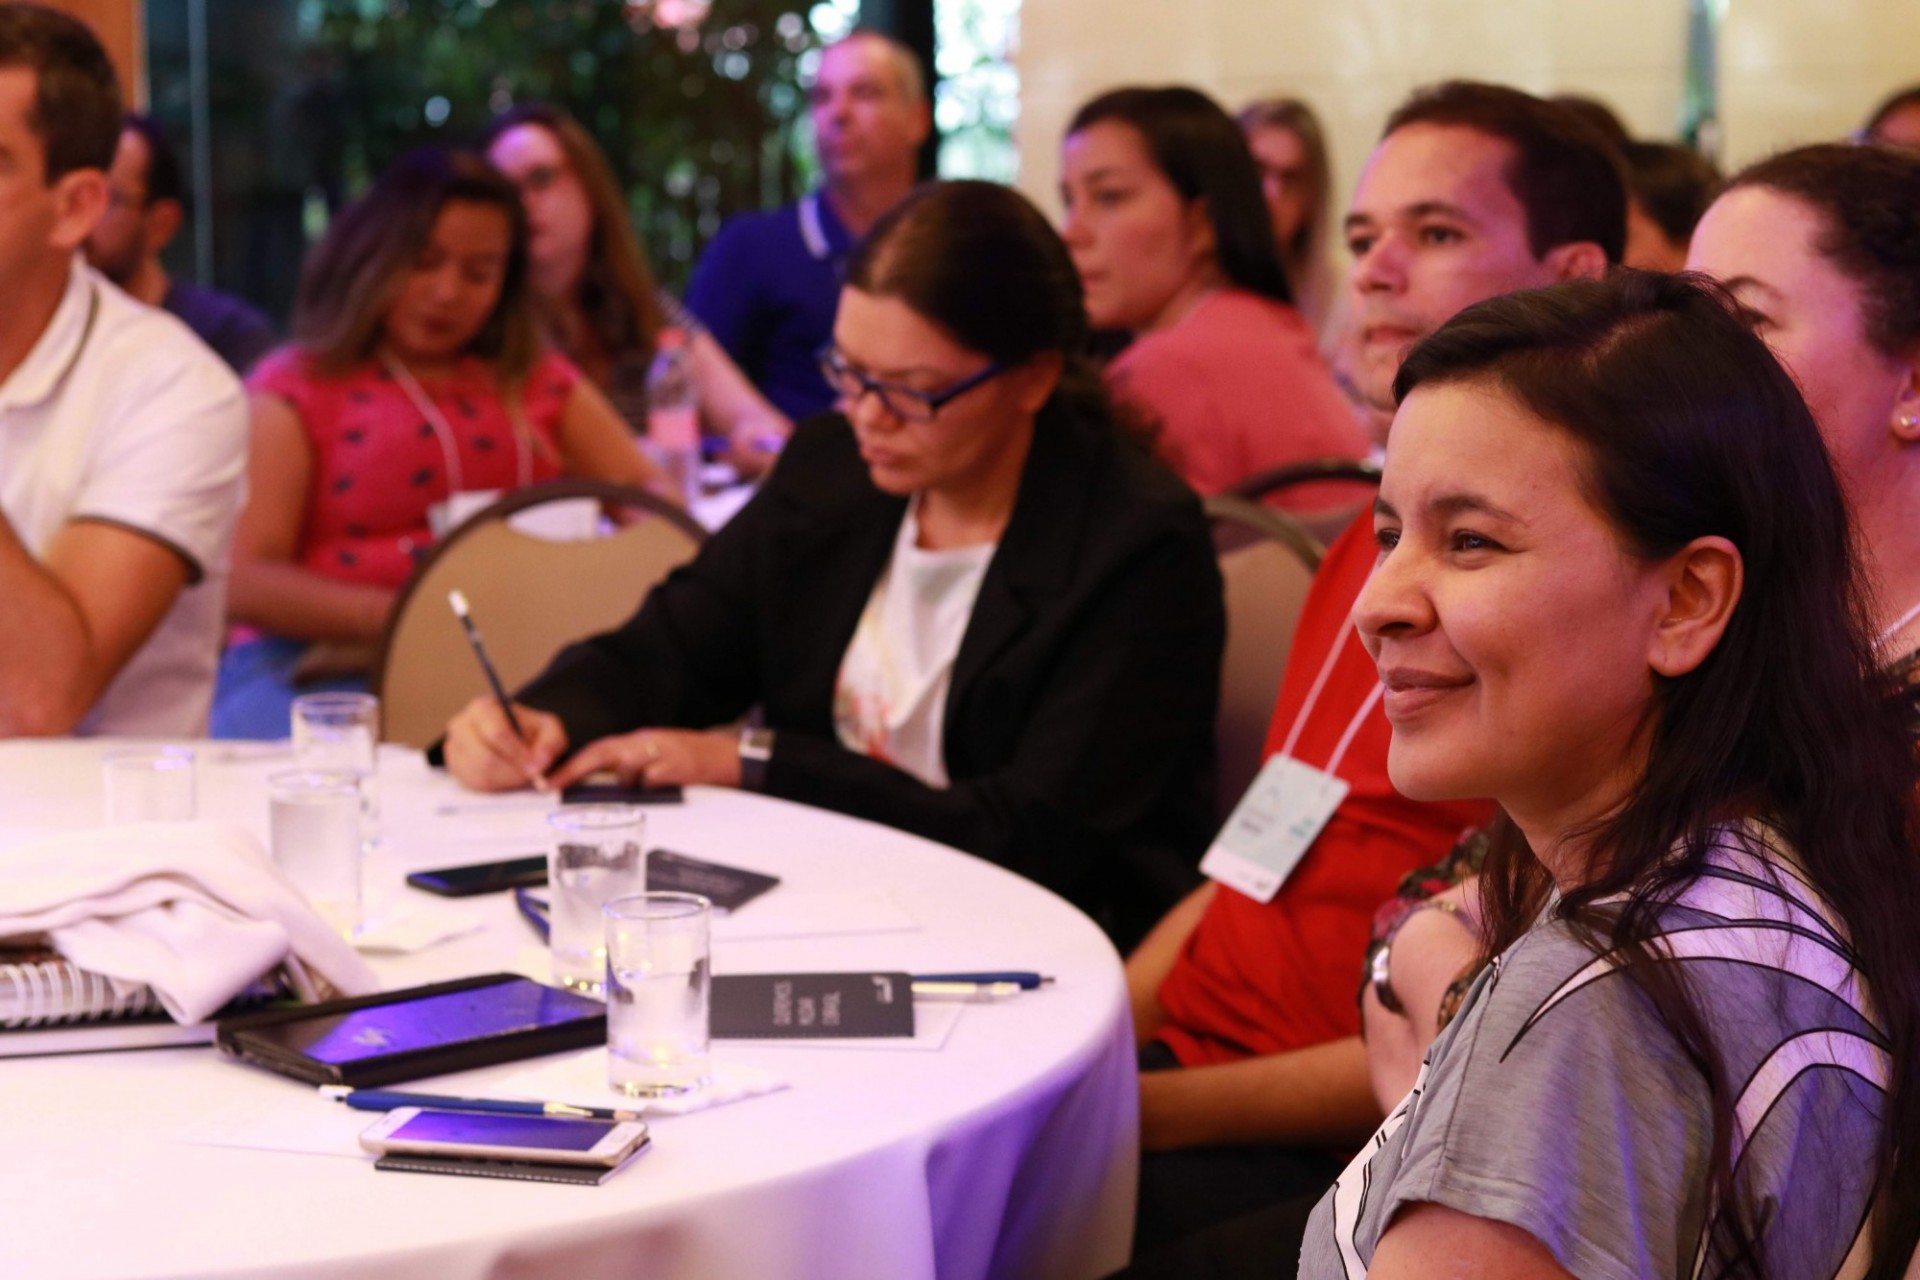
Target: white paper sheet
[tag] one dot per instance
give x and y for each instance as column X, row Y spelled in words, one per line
column 799, row 913
column 317, row 1127
column 581, row 1079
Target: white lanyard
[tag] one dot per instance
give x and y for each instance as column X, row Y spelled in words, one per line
column 443, row 430
column 1898, row 623
column 1313, row 697
column 812, row 233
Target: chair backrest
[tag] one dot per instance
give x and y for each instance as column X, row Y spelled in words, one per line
column 529, row 596
column 1357, row 475
column 1267, row 561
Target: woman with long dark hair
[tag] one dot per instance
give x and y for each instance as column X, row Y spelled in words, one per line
column 604, row 310
column 969, row 605
column 1618, row 592
column 1171, row 237
column 1819, row 247
column 417, row 386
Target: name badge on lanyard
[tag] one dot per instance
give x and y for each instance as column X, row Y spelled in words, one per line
column 1286, row 808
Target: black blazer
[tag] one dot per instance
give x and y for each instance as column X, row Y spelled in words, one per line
column 1079, row 722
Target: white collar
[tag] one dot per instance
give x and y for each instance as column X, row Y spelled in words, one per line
column 58, row 348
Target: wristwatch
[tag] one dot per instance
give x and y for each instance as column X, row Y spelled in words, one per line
column 756, row 752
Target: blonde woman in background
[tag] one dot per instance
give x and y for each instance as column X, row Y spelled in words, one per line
column 1290, row 149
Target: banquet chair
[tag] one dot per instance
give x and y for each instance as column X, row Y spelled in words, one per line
column 1267, row 560
column 529, row 594
column 1325, row 526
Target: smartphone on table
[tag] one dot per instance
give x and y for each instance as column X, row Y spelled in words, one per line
column 483, row 1135
column 483, row 877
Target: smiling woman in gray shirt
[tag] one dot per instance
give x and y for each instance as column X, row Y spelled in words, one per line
column 1617, row 593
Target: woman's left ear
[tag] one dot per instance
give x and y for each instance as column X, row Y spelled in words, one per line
column 1036, row 379
column 1703, row 582
column 1906, row 410
column 1201, row 236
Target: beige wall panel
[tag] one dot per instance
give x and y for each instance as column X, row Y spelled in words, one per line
column 1793, row 72
column 1353, row 59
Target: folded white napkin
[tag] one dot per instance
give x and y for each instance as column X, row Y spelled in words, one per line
column 196, row 910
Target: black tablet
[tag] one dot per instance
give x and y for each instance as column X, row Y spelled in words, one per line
column 415, row 1032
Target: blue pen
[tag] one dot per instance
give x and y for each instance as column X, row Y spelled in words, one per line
column 535, row 911
column 1026, row 981
column 388, row 1099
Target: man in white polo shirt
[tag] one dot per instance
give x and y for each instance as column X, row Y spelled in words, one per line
column 122, row 437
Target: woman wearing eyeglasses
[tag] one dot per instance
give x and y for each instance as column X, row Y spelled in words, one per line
column 970, row 606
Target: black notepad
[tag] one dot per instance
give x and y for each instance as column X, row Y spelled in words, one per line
column 620, row 793
column 728, row 888
column 812, row 1006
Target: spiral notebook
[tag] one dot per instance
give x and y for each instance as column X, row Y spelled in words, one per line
column 49, row 1004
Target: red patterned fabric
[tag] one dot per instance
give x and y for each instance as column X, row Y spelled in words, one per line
column 378, row 464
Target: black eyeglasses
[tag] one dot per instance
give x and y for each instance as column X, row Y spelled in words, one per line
column 903, row 402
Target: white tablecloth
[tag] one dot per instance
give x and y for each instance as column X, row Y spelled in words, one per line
column 1010, row 1152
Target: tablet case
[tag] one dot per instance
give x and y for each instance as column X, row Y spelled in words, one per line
column 416, row 1032
column 585, row 1175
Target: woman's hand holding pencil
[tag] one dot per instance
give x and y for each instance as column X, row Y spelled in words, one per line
column 485, row 754
column 494, row 744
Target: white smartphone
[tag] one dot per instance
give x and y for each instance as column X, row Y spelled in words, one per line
column 485, row 1135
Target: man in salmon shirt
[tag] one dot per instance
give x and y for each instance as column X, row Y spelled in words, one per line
column 1253, row 1074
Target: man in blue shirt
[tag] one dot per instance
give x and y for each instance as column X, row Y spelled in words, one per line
column 768, row 285
column 144, row 211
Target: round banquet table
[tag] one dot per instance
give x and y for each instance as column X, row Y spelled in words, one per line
column 1010, row 1151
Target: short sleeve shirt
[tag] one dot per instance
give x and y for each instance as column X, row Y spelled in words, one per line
column 1559, row 1101
column 380, row 463
column 1238, row 387
column 120, row 415
column 767, row 288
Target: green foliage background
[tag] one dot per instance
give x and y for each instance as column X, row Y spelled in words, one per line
column 309, row 99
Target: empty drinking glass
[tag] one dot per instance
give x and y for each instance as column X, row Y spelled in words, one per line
column 149, row 784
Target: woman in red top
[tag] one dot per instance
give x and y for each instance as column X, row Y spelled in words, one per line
column 1172, row 241
column 415, row 389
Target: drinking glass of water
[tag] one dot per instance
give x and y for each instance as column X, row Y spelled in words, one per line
column 595, row 856
column 315, row 819
column 658, row 989
column 149, row 784
column 336, row 732
column 340, row 733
